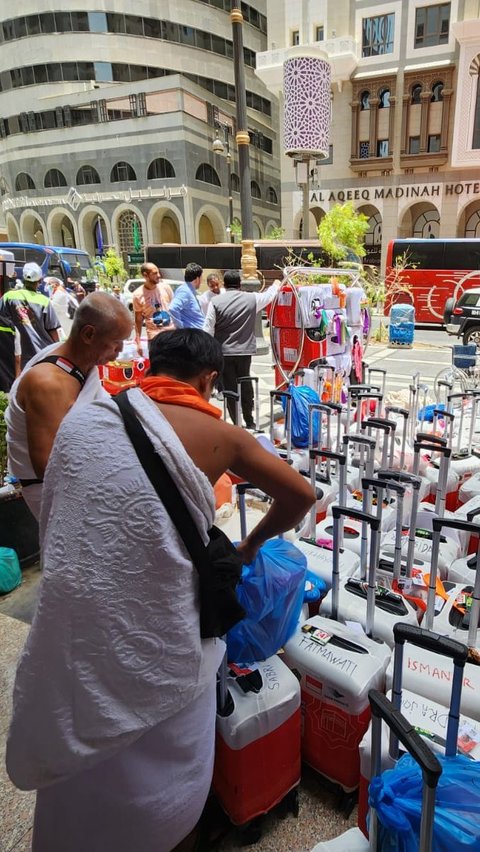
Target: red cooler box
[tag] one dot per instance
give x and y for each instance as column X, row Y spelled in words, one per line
column 257, row 759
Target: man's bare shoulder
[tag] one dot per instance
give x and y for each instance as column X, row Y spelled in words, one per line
column 47, row 381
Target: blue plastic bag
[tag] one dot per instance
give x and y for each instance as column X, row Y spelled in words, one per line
column 271, row 592
column 10, row 573
column 302, row 397
column 426, row 413
column 396, row 795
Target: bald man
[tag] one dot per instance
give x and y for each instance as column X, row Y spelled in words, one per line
column 56, row 379
column 151, row 302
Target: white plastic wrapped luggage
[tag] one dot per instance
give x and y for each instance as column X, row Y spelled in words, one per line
column 390, row 607
column 337, row 667
column 320, row 557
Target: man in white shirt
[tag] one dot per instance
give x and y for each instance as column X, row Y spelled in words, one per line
column 214, row 289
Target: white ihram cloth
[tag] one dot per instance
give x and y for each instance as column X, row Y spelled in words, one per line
column 114, row 694
column 19, row 462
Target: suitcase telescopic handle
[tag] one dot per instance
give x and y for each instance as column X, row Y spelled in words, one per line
column 379, row 423
column 401, row 476
column 433, row 448
column 465, row 395
column 356, row 514
column 230, row 394
column 454, row 524
column 431, row 641
column 369, row 395
column 328, row 454
column 334, row 406
column 442, row 412
column 431, row 439
column 359, row 439
column 402, row 411
column 275, row 394
column 355, row 390
column 243, row 379
column 471, row 515
column 242, row 487
column 383, row 709
column 383, row 485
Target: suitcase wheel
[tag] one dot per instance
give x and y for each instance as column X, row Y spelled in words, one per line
column 251, row 833
column 347, row 803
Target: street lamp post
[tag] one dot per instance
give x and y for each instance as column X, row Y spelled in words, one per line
column 220, row 147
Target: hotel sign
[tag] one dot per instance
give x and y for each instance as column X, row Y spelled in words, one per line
column 380, row 193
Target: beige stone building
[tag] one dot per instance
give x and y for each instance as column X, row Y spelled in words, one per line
column 405, row 128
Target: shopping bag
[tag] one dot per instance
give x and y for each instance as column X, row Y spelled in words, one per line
column 271, row 591
column 302, row 398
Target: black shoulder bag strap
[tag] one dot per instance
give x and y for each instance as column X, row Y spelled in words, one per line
column 163, row 484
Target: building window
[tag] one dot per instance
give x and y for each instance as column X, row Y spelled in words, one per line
column 364, row 150
column 23, row 181
column 414, row 145
column 476, row 123
column 319, row 33
column 384, row 98
column 87, row 175
column 207, row 174
column 365, row 100
column 235, row 183
column 121, row 172
column 432, row 25
column 377, row 35
column 434, row 144
column 295, row 37
column 437, row 92
column 382, row 148
column 54, row 178
column 130, row 232
column 255, row 189
column 416, row 92
column 160, row 169
column 272, row 195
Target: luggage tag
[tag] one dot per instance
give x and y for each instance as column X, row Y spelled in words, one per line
column 316, row 634
column 468, row 738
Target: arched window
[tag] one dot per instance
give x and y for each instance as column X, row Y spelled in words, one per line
column 130, row 233
column 365, row 100
column 87, row 175
column 384, row 98
column 121, row 172
column 416, row 91
column 255, row 189
column 207, row 174
column 54, row 178
column 160, row 169
column 437, row 92
column 272, row 195
column 235, row 183
column 23, row 181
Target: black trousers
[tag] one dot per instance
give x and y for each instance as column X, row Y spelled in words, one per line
column 236, row 367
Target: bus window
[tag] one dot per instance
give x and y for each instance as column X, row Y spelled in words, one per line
column 425, row 254
column 461, row 255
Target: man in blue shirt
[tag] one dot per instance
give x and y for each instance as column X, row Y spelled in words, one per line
column 185, row 310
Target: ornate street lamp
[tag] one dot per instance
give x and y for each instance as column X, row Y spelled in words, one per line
column 223, row 148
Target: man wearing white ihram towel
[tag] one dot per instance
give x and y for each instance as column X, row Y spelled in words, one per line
column 114, row 701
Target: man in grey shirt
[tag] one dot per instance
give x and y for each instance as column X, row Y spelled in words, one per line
column 231, row 319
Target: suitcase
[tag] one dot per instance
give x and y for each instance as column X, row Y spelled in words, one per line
column 353, row 595
column 459, row 615
column 401, row 460
column 320, row 556
column 337, row 667
column 438, row 724
column 352, row 531
column 463, row 569
column 384, row 711
column 257, row 754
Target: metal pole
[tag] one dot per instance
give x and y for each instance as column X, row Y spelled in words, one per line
column 306, row 205
column 229, row 172
column 242, row 137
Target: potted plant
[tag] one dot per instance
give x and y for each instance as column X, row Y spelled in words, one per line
column 18, row 527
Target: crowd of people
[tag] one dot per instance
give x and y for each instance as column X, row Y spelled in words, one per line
column 114, row 703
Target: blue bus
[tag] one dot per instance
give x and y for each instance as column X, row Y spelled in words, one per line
column 62, row 262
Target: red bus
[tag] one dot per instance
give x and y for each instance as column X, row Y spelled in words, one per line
column 433, row 271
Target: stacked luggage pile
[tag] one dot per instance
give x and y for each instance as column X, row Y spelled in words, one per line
column 393, row 544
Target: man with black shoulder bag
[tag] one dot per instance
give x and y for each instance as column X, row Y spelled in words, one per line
column 137, row 588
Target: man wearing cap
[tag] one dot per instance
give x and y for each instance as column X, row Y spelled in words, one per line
column 31, row 313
